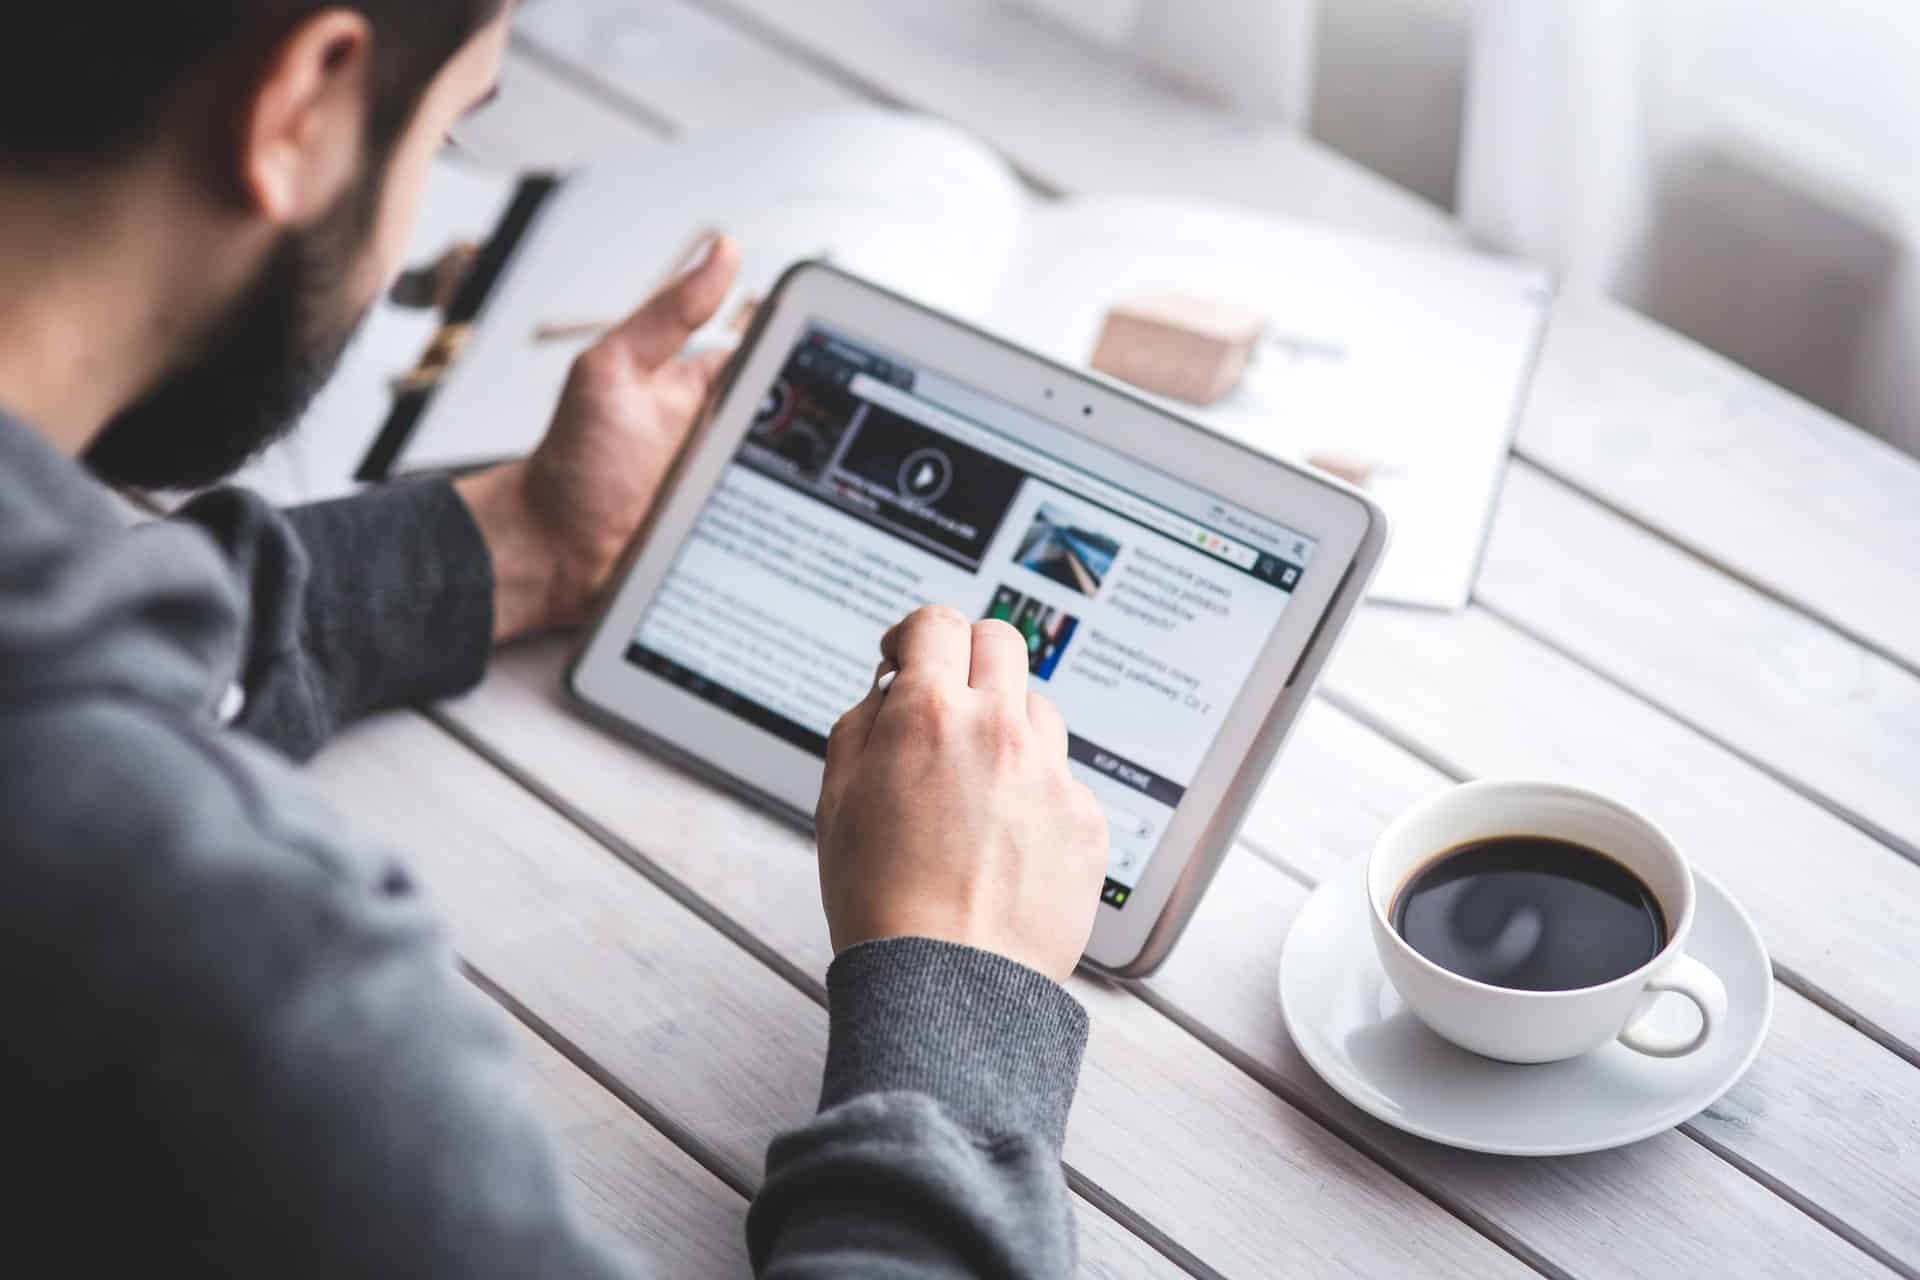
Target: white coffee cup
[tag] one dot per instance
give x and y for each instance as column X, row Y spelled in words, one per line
column 1542, row 1026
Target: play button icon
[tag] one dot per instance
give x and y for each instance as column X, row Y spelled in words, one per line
column 925, row 476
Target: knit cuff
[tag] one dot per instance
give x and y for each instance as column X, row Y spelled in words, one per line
column 996, row 1044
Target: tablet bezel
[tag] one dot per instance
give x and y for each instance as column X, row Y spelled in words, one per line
column 1348, row 529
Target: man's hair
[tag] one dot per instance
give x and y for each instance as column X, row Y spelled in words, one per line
column 87, row 83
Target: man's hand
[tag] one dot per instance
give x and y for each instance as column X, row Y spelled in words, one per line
column 557, row 522
column 947, row 810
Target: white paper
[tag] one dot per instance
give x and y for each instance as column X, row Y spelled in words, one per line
column 319, row 458
column 1416, row 358
column 907, row 202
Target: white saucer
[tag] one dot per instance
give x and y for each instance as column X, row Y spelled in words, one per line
column 1351, row 1025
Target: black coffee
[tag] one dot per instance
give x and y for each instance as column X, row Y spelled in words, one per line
column 1531, row 913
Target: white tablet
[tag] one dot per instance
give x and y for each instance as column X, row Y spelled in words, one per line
column 865, row 456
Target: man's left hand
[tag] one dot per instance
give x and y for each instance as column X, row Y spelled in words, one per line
column 557, row 522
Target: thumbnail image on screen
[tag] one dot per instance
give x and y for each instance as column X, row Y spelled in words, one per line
column 1061, row 547
column 1046, row 629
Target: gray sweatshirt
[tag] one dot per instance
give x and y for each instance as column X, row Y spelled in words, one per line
column 235, row 1040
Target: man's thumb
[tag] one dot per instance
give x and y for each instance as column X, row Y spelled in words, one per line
column 658, row 331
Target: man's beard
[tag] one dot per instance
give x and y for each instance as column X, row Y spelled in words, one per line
column 256, row 372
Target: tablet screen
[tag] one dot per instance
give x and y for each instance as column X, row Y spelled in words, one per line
column 868, row 487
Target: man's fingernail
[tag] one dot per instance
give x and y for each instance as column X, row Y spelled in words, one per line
column 701, row 257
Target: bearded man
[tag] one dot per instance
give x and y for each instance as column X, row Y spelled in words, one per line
column 237, row 1042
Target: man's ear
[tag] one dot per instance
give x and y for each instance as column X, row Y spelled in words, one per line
column 304, row 120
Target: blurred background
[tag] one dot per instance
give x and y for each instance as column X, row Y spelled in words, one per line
column 1744, row 171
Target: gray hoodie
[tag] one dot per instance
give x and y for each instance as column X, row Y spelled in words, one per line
column 236, row 1042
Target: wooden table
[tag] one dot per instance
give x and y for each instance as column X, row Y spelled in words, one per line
column 1702, row 596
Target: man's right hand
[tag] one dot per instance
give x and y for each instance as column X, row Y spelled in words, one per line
column 948, row 811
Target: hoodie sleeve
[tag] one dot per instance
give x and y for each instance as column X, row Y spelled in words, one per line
column 936, row 1154
column 374, row 601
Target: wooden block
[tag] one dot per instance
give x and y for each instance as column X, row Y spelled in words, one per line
column 1176, row 345
column 1356, row 469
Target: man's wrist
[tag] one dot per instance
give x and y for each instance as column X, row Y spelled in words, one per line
column 530, row 583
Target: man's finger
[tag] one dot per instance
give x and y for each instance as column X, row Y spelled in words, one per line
column 999, row 661
column 659, row 330
column 933, row 644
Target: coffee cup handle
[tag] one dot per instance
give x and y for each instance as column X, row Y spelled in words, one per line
column 1688, row 977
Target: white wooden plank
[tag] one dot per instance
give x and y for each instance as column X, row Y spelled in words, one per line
column 631, row 1181
column 1108, row 1251
column 1162, row 1124
column 1837, row 720
column 681, row 1016
column 1070, row 115
column 1824, row 1112
column 1835, row 906
column 1747, row 475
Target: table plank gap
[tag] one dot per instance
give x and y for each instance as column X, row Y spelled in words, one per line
column 1383, row 728
column 1148, row 1234
column 1859, row 1240
column 1275, row 856
column 1607, row 592
column 1809, row 989
column 635, row 1184
column 700, row 1152
column 635, row 860
column 1675, row 537
column 1434, row 1188
column 1766, row 487
column 1806, row 791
